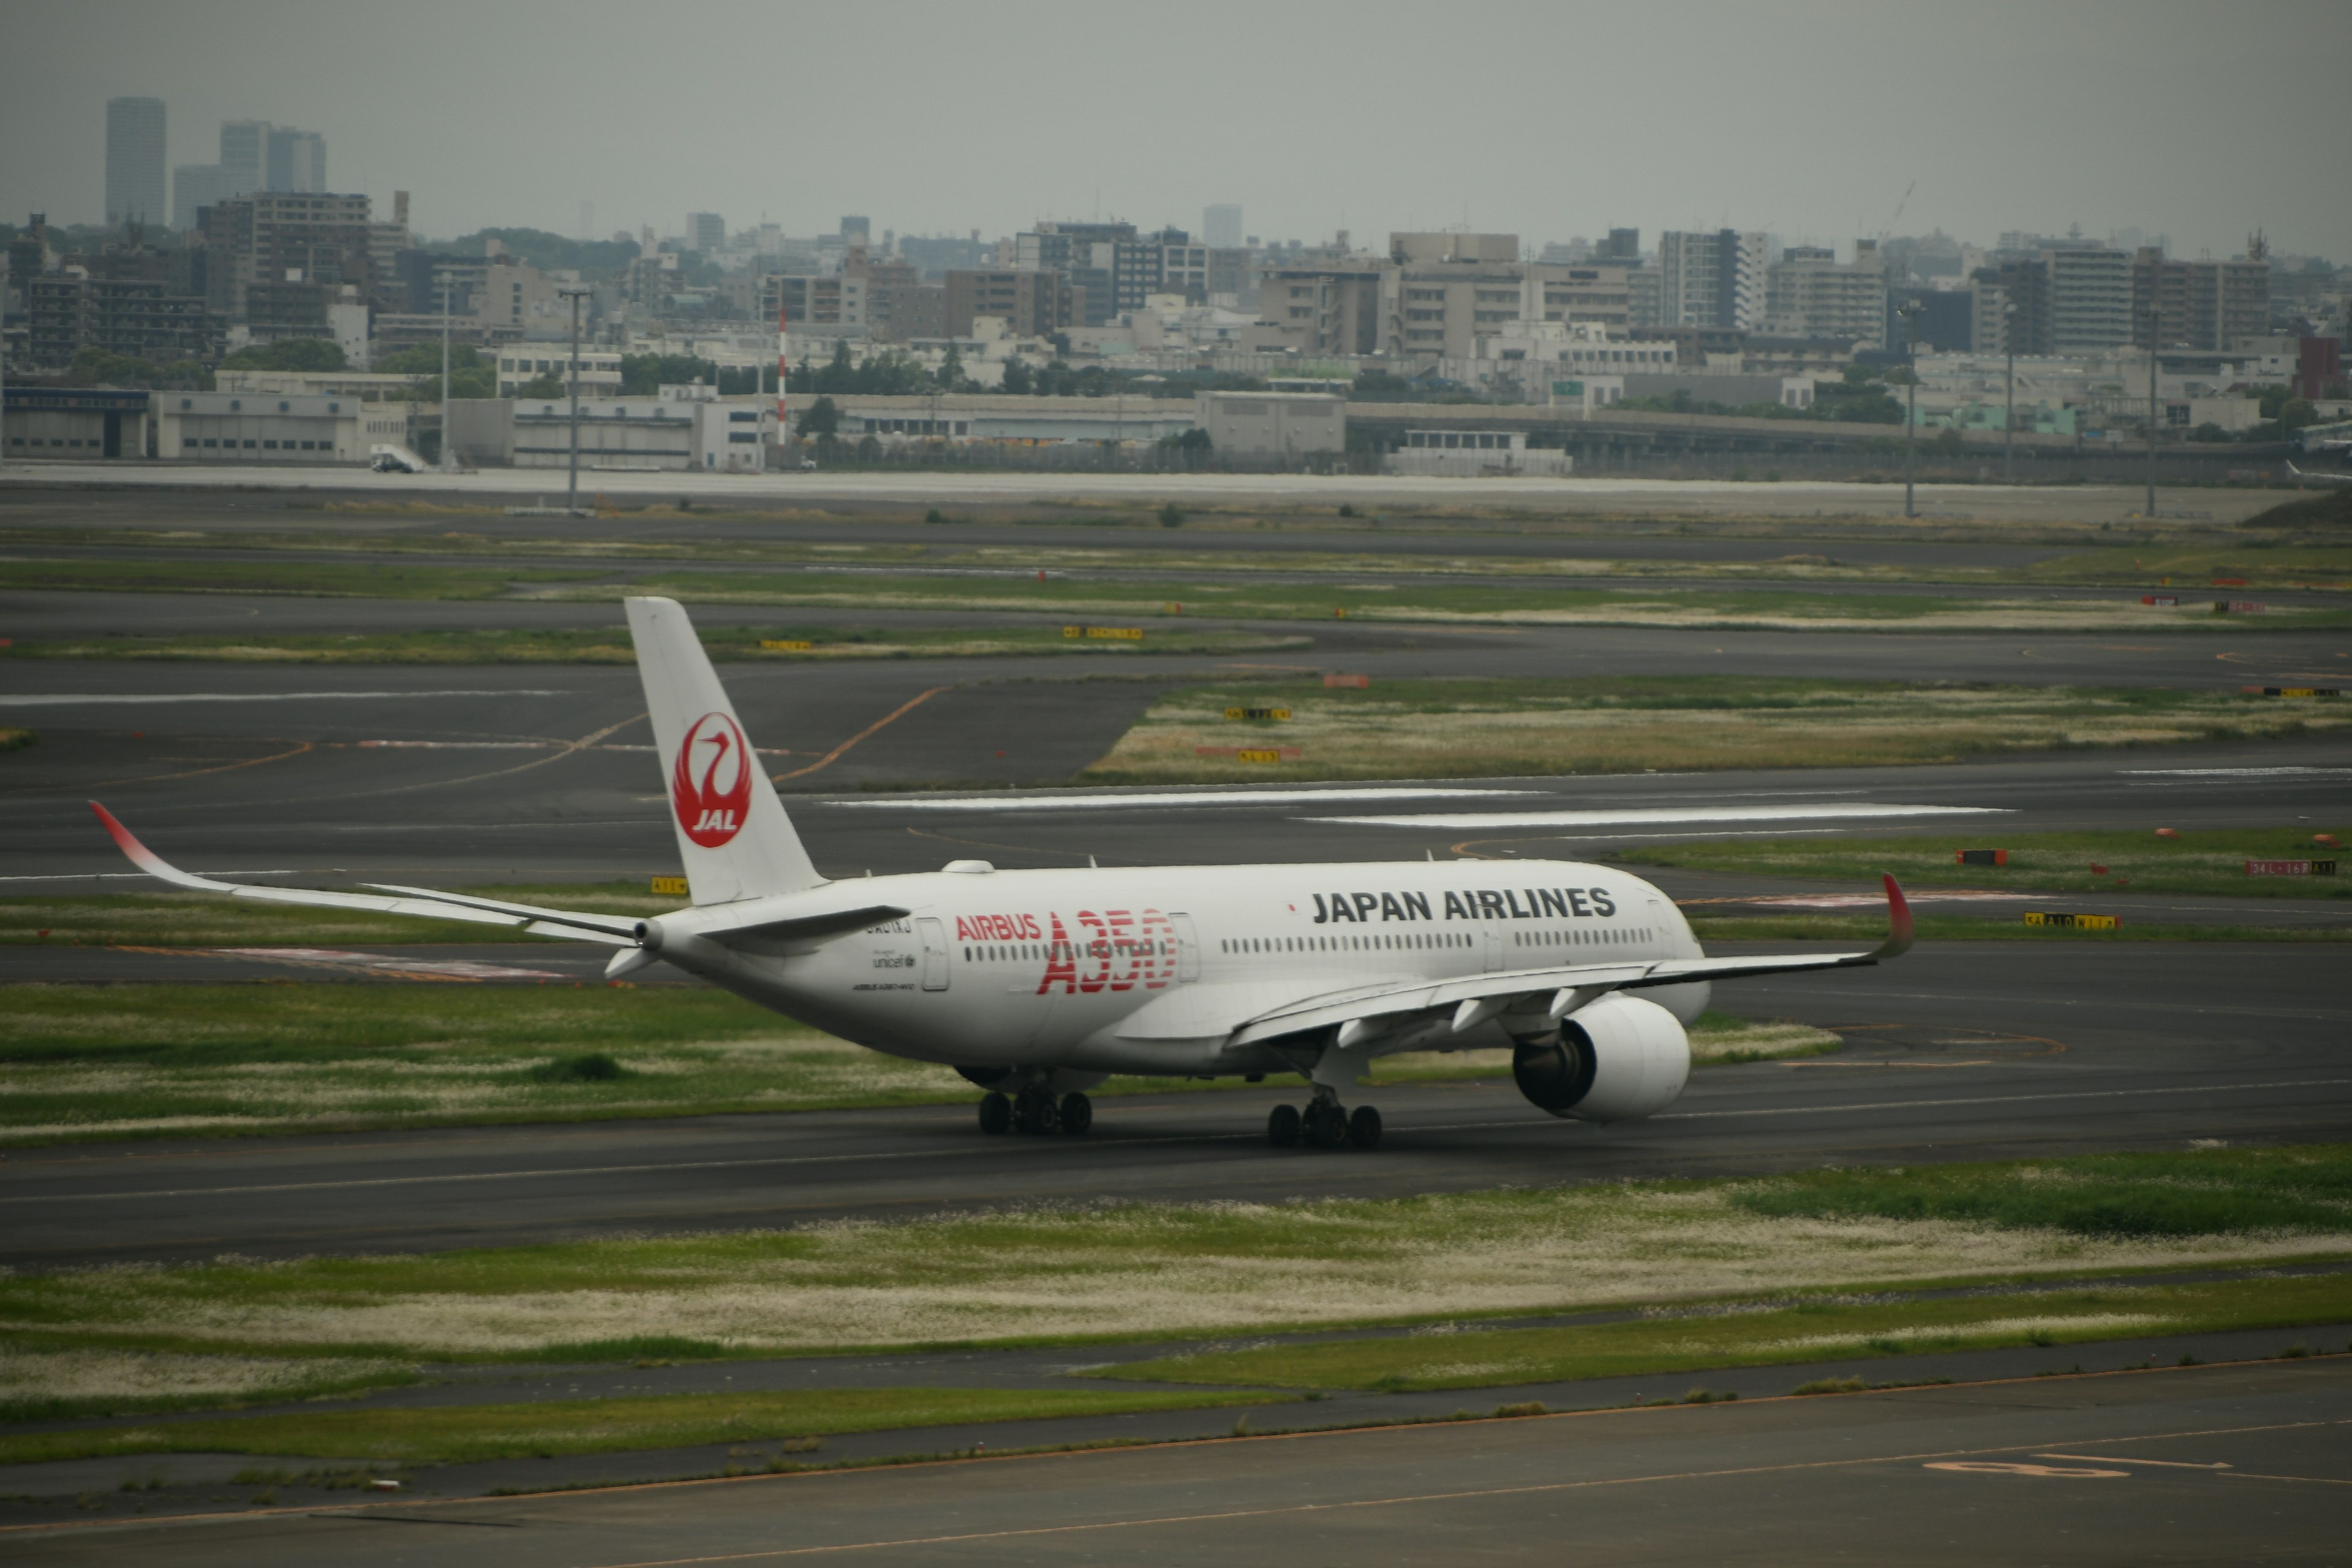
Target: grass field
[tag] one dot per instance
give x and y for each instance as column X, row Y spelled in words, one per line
column 2201, row 860
column 329, row 579
column 1505, row 602
column 725, row 644
column 1090, row 1273
column 1768, row 1332
column 461, row 1434
column 80, row 1062
column 210, row 920
column 1621, row 724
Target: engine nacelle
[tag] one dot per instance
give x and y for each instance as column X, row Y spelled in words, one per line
column 1617, row 1060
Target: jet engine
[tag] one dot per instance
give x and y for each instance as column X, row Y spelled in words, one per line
column 1619, row 1058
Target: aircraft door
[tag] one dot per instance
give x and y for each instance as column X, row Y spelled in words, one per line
column 1492, row 941
column 935, row 955
column 1188, row 950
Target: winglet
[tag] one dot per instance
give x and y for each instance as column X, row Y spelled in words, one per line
column 1899, row 922
column 146, row 859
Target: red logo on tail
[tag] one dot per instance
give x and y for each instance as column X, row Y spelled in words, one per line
column 710, row 787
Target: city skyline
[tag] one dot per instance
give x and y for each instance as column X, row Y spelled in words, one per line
column 1822, row 123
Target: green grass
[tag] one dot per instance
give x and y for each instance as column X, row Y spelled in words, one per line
column 473, row 1433
column 1507, row 601
column 1080, row 1274
column 1868, row 930
column 2132, row 1196
column 1626, row 724
column 1767, row 1333
column 2201, row 860
column 213, row 920
column 138, row 1060
column 598, row 646
column 308, row 579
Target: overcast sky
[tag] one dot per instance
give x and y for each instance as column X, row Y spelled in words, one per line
column 1809, row 118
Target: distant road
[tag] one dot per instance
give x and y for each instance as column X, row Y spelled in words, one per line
column 1568, row 495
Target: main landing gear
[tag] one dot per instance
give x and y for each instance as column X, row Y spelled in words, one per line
column 1035, row 1111
column 1323, row 1123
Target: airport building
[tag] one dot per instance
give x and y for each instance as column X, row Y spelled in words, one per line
column 76, row 423
column 679, row 430
column 242, row 427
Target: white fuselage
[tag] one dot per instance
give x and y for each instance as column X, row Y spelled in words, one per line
column 1142, row 970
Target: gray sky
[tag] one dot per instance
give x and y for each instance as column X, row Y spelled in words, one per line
column 1810, row 118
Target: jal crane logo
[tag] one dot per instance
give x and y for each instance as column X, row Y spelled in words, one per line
column 710, row 787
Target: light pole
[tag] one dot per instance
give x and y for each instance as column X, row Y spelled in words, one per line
column 448, row 463
column 2153, row 318
column 1911, row 311
column 575, row 294
column 2008, row 424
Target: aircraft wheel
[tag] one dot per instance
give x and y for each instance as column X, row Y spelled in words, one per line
column 1364, row 1127
column 1282, row 1127
column 1077, row 1114
column 1329, row 1128
column 1034, row 1112
column 995, row 1113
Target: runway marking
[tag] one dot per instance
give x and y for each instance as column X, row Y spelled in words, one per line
column 1018, row 802
column 1999, row 1468
column 1992, row 1100
column 444, row 1178
column 1629, row 815
column 894, row 714
column 2227, row 773
column 2110, row 1459
column 1465, row 848
column 1952, row 1458
column 99, row 698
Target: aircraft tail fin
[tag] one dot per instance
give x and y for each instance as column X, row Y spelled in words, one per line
column 732, row 833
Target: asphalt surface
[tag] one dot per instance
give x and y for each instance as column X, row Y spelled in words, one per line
column 1606, row 496
column 1961, row 1051
column 2241, row 1463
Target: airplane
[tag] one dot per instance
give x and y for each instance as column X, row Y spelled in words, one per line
column 1037, row 985
column 2319, row 476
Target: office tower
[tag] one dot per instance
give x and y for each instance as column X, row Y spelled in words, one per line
column 245, row 154
column 706, row 231
column 1221, row 225
column 857, row 231
column 134, row 161
column 297, row 161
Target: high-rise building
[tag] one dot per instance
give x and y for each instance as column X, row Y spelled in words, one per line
column 1808, row 294
column 1711, row 279
column 2210, row 306
column 2090, row 299
column 705, row 231
column 856, row 230
column 245, row 154
column 1221, row 225
column 1622, row 245
column 134, row 161
column 295, row 160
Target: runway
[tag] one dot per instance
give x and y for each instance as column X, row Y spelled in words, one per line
column 2143, row 1467
column 1961, row 1052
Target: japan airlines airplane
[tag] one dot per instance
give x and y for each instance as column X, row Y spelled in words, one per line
column 1037, row 986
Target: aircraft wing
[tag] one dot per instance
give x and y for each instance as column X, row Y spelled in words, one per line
column 617, row 931
column 1370, row 1011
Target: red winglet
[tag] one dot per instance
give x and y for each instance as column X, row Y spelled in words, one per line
column 1898, row 921
column 138, row 854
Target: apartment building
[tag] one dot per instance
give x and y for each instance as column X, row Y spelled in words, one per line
column 1809, row 293
column 1032, row 303
column 2213, row 306
column 1714, row 279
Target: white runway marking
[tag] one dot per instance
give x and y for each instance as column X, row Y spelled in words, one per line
column 1011, row 802
column 2226, row 772
column 444, row 1177
column 120, row 699
column 1658, row 814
